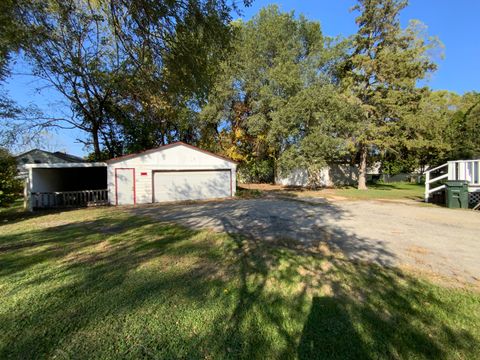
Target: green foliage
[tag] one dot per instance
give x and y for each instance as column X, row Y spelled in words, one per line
column 382, row 74
column 100, row 283
column 289, row 94
column 10, row 186
column 134, row 72
column 318, row 126
column 464, row 128
column 443, row 128
column 399, row 162
column 272, row 92
column 12, row 32
column 254, row 170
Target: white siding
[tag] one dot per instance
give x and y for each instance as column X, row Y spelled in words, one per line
column 329, row 176
column 178, row 157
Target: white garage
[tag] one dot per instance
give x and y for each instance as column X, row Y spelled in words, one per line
column 173, row 172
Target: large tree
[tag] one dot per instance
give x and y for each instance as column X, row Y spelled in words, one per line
column 318, row 128
column 382, row 74
column 11, row 39
column 445, row 126
column 275, row 57
column 74, row 52
column 130, row 70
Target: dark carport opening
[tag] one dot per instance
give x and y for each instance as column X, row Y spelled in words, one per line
column 69, row 186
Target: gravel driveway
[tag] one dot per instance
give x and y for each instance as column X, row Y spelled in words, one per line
column 437, row 240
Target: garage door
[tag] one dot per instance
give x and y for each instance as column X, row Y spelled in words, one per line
column 191, row 185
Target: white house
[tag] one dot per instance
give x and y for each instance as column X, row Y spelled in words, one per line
column 38, row 156
column 329, row 176
column 169, row 173
column 337, row 175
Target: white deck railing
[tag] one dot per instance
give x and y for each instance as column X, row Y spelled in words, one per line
column 466, row 170
column 59, row 199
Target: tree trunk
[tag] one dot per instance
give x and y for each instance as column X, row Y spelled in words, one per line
column 362, row 174
column 96, row 144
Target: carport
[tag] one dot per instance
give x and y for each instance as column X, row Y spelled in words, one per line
column 174, row 172
column 66, row 185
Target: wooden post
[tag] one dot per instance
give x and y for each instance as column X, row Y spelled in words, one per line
column 451, row 170
column 461, row 171
column 25, row 194
column 427, row 186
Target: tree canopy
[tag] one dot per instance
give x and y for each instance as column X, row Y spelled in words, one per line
column 273, row 92
column 382, row 74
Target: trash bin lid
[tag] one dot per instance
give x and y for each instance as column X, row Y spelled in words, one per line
column 456, row 183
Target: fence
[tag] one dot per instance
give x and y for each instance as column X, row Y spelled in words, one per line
column 49, row 200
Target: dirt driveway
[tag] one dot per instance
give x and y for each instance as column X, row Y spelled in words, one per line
column 435, row 240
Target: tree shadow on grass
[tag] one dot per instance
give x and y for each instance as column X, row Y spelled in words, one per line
column 75, row 275
column 361, row 306
column 16, row 213
column 129, row 287
column 278, row 280
column 349, row 310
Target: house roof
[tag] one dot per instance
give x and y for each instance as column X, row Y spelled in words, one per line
column 68, row 157
column 46, row 155
column 164, row 147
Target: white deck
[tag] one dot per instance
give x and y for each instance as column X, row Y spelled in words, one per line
column 463, row 170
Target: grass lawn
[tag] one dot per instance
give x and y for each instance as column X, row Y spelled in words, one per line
column 384, row 191
column 100, row 283
column 392, row 191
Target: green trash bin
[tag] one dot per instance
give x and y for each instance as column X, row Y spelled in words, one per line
column 457, row 194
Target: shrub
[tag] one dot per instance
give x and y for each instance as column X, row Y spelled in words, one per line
column 10, row 186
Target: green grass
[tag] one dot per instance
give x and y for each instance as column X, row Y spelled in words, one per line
column 100, row 283
column 393, row 191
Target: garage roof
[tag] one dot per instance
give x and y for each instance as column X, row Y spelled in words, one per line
column 164, row 147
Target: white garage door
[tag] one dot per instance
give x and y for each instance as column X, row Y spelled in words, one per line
column 191, row 185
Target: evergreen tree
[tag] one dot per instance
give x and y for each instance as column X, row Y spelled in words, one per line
column 382, row 74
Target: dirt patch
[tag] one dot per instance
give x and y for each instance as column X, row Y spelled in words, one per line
column 417, row 249
column 90, row 255
column 326, row 290
column 454, row 282
column 55, row 223
column 262, row 187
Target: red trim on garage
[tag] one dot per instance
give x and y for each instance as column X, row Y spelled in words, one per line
column 134, row 185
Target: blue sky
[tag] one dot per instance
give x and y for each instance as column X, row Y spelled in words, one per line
column 454, row 22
